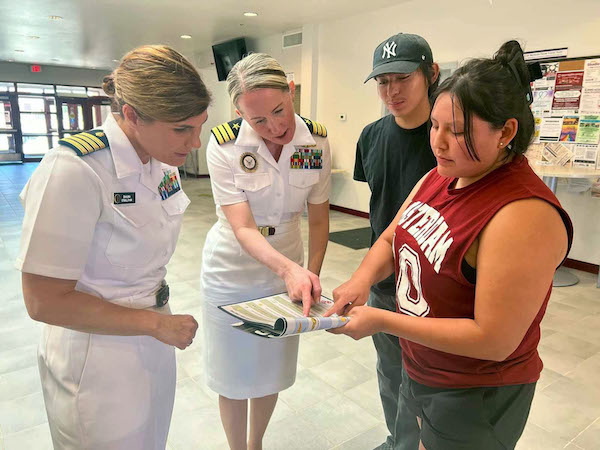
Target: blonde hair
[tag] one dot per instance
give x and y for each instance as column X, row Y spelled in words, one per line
column 255, row 71
column 159, row 83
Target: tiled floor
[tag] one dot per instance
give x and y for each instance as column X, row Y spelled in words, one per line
column 334, row 403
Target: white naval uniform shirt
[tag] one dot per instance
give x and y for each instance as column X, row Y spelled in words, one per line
column 275, row 192
column 74, row 229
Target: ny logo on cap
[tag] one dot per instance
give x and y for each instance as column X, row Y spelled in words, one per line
column 389, row 50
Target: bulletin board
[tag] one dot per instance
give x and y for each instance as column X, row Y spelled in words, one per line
column 566, row 107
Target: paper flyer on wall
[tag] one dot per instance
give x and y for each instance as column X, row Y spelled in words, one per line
column 277, row 316
column 567, row 92
column 534, row 154
column 568, row 131
column 536, row 132
column 590, row 101
column 542, row 99
column 549, row 70
column 585, row 155
column 591, row 77
column 588, row 131
column 550, row 129
column 557, row 154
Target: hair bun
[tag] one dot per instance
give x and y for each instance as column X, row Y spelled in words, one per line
column 510, row 55
column 108, row 85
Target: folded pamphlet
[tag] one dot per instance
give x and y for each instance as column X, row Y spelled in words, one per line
column 278, row 316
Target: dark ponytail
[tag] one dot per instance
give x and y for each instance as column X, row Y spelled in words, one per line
column 495, row 90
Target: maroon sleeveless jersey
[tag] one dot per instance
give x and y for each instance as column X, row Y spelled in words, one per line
column 430, row 242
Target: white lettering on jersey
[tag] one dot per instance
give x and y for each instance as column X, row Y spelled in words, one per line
column 430, row 230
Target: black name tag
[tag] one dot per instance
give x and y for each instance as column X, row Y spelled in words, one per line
column 122, row 198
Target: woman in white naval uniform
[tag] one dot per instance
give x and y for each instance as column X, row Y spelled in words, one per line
column 102, row 215
column 264, row 168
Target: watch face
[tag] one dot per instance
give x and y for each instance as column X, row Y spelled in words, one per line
column 248, row 162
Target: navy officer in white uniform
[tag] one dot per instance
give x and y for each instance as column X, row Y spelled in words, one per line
column 102, row 215
column 265, row 168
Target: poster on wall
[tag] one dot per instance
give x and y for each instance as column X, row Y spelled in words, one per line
column 557, row 154
column 550, row 129
column 538, row 124
column 567, row 92
column 588, row 131
column 73, row 119
column 542, row 99
column 585, row 156
column 590, row 100
column 591, row 77
column 549, row 70
column 568, row 131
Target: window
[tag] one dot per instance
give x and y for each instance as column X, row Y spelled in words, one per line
column 33, row 117
column 23, row 88
column 95, row 92
column 7, row 87
column 7, row 143
column 5, row 114
column 71, row 91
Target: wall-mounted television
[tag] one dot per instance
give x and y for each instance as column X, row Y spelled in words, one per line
column 227, row 54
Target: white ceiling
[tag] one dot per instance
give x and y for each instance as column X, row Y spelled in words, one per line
column 94, row 33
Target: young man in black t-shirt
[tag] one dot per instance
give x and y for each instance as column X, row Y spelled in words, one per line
column 392, row 154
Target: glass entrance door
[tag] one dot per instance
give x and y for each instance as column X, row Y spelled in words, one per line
column 9, row 131
column 39, row 124
column 74, row 116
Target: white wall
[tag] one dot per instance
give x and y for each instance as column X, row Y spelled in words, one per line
column 218, row 112
column 289, row 58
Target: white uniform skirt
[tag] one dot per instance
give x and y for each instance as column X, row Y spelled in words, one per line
column 239, row 365
column 106, row 392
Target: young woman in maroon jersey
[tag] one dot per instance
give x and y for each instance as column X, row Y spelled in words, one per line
column 474, row 249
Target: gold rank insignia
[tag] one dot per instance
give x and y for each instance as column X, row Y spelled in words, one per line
column 227, row 131
column 86, row 142
column 315, row 127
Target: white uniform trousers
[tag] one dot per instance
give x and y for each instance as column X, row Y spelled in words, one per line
column 239, row 365
column 107, row 392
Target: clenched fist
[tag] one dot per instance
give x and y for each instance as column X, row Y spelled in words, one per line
column 177, row 329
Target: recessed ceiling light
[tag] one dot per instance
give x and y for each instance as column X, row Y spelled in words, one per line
column 250, row 14
column 20, row 51
column 55, row 17
column 115, row 60
column 33, row 37
column 185, row 36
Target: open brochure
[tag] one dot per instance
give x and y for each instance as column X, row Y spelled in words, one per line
column 278, row 316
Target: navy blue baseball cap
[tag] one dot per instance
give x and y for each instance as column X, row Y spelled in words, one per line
column 402, row 53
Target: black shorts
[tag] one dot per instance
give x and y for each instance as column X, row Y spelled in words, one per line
column 483, row 418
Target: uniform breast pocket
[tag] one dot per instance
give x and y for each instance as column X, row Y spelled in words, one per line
column 176, row 204
column 255, row 185
column 133, row 242
column 301, row 182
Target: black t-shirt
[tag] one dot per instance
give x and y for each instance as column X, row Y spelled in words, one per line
column 391, row 160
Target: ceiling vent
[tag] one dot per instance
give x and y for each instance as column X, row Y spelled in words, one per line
column 293, row 39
